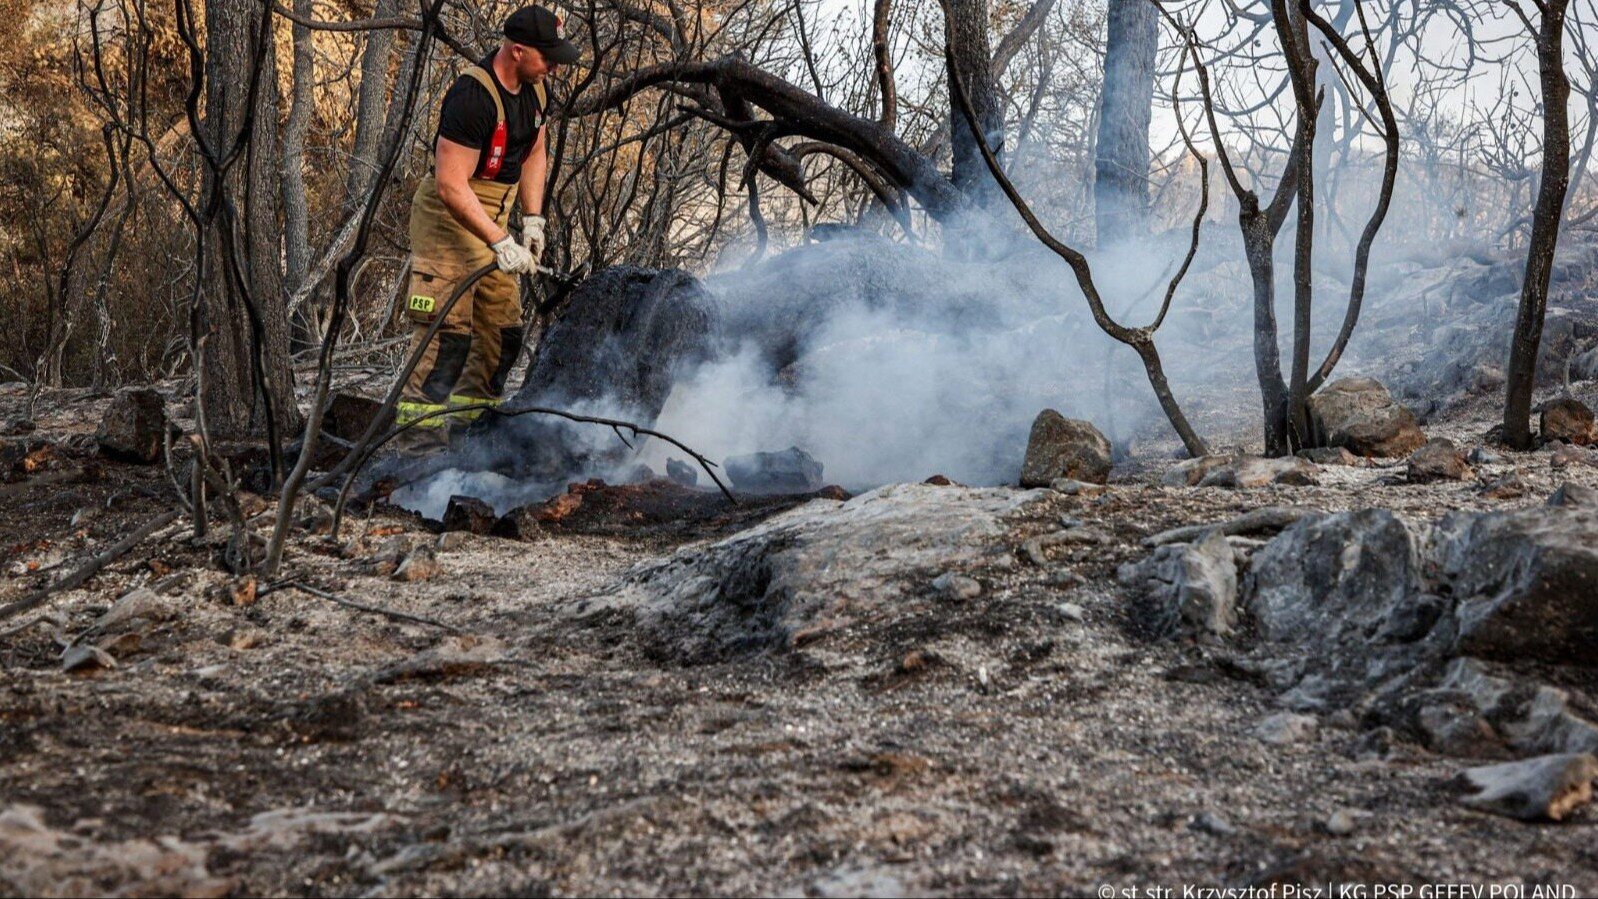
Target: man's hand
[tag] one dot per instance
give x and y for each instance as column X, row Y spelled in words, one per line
column 512, row 256
column 533, row 235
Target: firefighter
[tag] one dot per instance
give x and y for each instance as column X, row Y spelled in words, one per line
column 489, row 154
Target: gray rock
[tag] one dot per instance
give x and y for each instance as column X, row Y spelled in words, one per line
column 1332, row 577
column 682, row 473
column 1585, row 366
column 957, row 586
column 1567, row 419
column 1573, row 494
column 1192, row 586
column 1481, row 455
column 1241, row 471
column 791, row 471
column 1213, row 823
column 1072, row 612
column 798, row 572
column 1361, row 416
column 134, row 426
column 1061, row 447
column 1073, row 487
column 1341, row 823
column 1525, row 582
column 1474, row 713
column 1546, row 788
column 86, row 655
column 1330, row 455
column 1438, row 460
column 1286, row 728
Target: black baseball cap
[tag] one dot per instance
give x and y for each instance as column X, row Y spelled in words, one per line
column 537, row 27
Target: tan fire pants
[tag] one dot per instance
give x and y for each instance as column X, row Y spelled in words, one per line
column 465, row 365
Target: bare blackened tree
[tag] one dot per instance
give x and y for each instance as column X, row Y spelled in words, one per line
column 1284, row 401
column 1546, row 218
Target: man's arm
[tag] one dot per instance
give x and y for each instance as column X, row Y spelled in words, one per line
column 535, row 171
column 453, row 170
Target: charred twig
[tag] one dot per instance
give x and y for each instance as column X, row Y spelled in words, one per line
column 358, row 606
column 89, row 568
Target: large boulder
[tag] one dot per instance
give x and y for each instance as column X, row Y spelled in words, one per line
column 134, row 426
column 1361, row 416
column 1567, row 419
column 1525, row 583
column 1328, row 577
column 1190, row 586
column 810, row 570
column 1061, row 447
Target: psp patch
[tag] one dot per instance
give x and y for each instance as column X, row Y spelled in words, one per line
column 420, row 303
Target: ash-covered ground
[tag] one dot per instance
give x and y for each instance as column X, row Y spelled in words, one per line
column 889, row 737
column 924, row 689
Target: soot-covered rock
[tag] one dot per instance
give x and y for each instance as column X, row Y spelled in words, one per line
column 791, row 471
column 1361, row 416
column 1331, row 577
column 1190, row 586
column 810, row 570
column 1061, row 447
column 1526, row 582
column 134, row 425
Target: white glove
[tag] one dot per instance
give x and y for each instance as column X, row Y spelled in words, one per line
column 533, row 235
column 512, row 256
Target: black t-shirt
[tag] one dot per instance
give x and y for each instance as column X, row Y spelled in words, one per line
column 468, row 118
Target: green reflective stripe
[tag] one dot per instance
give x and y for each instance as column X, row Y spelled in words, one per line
column 471, row 407
column 405, row 413
column 458, row 400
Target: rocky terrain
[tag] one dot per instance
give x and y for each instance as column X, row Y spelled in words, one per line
column 1228, row 672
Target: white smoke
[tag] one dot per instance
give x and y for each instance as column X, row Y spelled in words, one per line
column 910, row 364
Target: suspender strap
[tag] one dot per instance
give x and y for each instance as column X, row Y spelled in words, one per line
column 493, row 157
column 494, row 154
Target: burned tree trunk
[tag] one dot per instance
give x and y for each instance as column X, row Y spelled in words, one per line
column 248, row 382
column 1301, row 68
column 970, row 63
column 1121, row 156
column 626, row 335
column 1522, row 372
